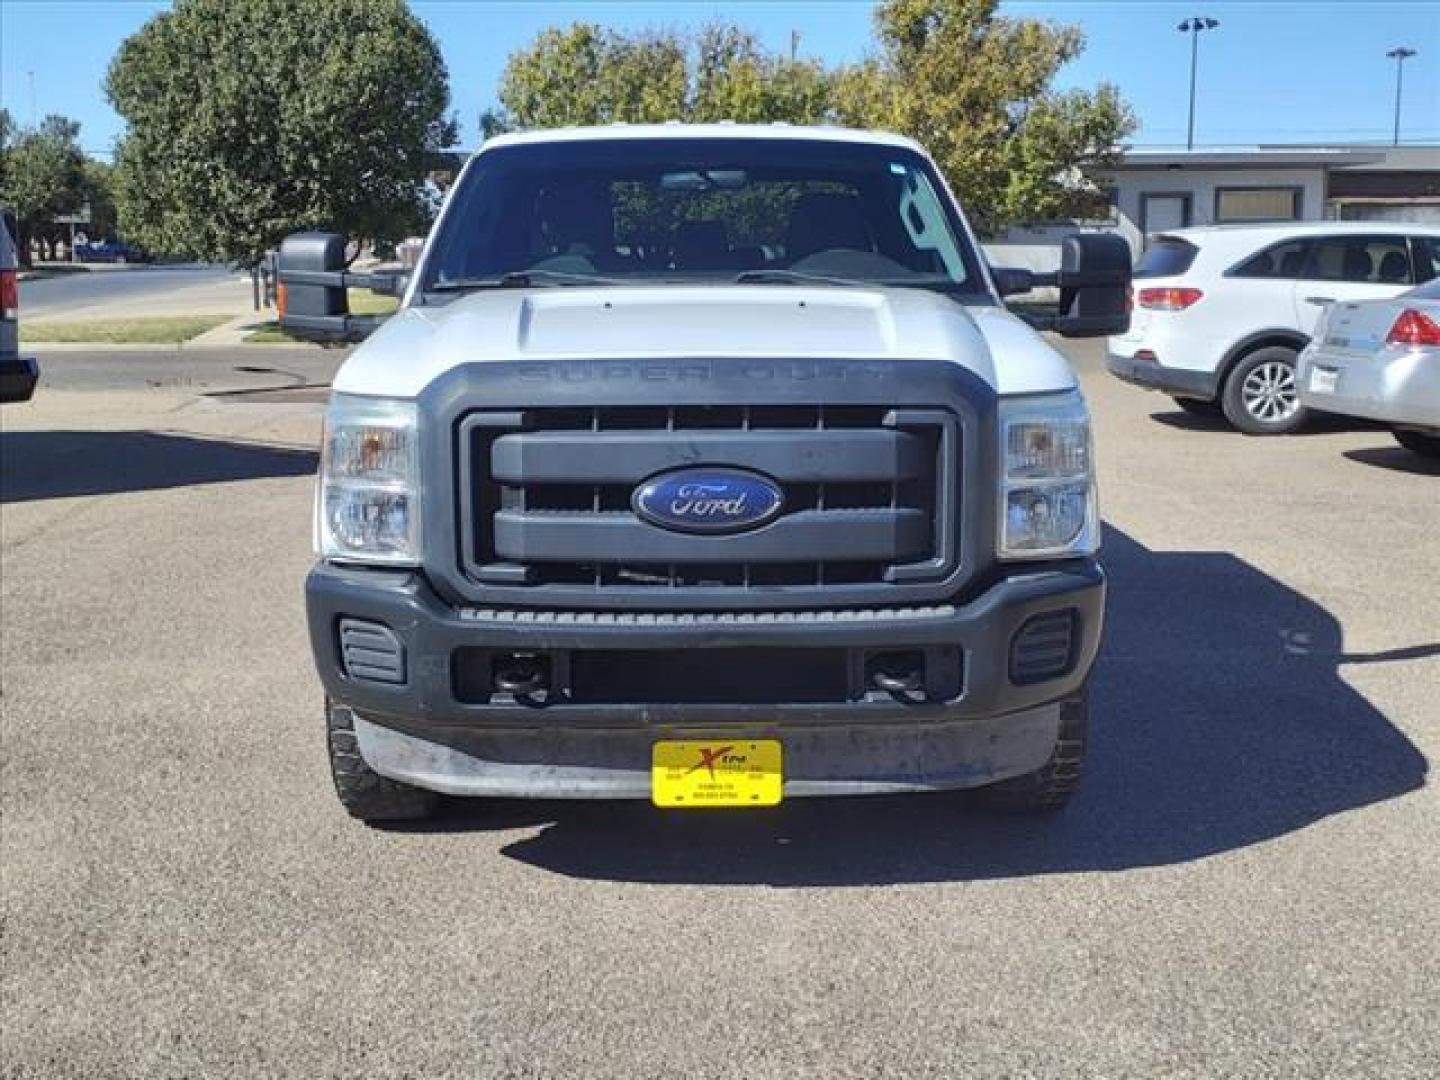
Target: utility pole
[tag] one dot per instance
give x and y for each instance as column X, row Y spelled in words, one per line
column 1399, row 54
column 1193, row 27
column 34, row 119
column 794, row 44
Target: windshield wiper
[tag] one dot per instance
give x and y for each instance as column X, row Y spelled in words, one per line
column 520, row 279
column 795, row 277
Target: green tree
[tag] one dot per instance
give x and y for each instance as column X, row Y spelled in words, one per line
column 7, row 133
column 586, row 74
column 249, row 119
column 43, row 177
column 974, row 87
column 100, row 197
column 970, row 84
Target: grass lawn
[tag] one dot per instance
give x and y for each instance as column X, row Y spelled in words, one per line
column 362, row 302
column 163, row 331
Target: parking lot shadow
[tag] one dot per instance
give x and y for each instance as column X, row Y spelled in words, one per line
column 61, row 464
column 1220, row 719
column 1396, row 458
column 1315, row 424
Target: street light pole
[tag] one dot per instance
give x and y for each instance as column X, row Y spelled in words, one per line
column 1193, row 27
column 1399, row 54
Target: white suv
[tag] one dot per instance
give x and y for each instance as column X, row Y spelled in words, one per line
column 1221, row 313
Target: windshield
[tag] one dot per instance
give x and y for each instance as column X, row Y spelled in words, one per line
column 682, row 210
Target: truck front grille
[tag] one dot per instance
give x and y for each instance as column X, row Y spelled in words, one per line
column 870, row 499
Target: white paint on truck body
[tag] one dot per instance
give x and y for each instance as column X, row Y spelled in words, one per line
column 779, row 322
column 715, row 320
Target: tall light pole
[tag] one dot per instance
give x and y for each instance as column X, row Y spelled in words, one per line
column 1399, row 54
column 1193, row 27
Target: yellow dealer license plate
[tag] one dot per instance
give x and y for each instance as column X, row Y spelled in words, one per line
column 716, row 772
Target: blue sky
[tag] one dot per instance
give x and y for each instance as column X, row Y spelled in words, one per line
column 1272, row 72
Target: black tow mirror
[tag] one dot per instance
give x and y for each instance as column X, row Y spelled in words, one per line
column 1012, row 279
column 312, row 295
column 389, row 283
column 1094, row 284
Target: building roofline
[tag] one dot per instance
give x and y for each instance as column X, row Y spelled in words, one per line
column 1259, row 157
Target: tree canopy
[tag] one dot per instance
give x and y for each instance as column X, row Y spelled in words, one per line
column 249, row 119
column 970, row 84
column 42, row 173
column 587, row 74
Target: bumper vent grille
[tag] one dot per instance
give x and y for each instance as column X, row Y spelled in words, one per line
column 371, row 652
column 1043, row 648
column 870, row 498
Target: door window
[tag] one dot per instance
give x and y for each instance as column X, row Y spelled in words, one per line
column 1427, row 257
column 1281, row 261
column 1371, row 260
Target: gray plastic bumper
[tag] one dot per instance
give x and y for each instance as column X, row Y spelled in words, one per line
column 1180, row 382
column 420, row 731
column 18, row 376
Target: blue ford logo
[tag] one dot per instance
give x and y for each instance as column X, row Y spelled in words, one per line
column 708, row 500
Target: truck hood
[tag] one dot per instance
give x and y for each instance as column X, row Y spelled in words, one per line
column 713, row 321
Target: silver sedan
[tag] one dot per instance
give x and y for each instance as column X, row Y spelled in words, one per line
column 1380, row 359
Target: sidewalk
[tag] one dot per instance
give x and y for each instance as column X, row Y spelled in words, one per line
column 237, row 330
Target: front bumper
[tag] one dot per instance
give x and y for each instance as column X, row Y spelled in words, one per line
column 18, row 376
column 420, row 730
column 1152, row 375
column 1395, row 385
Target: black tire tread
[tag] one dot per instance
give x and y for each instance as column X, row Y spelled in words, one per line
column 1049, row 788
column 363, row 792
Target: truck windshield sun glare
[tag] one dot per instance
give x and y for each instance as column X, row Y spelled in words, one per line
column 368, row 496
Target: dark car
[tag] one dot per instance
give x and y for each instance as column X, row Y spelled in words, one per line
column 111, row 251
column 18, row 374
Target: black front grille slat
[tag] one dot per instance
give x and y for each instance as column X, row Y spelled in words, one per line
column 559, row 536
column 847, row 456
column 866, row 490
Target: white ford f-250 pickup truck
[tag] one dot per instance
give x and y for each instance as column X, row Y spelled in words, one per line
column 706, row 465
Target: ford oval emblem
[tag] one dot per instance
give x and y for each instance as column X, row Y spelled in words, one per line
column 708, row 500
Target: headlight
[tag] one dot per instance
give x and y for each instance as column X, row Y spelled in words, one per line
column 1047, row 494
column 368, row 502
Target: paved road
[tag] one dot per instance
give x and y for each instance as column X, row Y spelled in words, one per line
column 202, row 370
column 1246, row 888
column 136, row 292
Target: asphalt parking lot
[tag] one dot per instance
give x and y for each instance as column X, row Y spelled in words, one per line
column 1245, row 888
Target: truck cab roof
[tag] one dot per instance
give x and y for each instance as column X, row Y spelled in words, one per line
column 721, row 130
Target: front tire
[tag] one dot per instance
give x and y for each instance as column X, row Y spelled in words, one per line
column 1049, row 788
column 1261, row 396
column 363, row 792
column 1418, row 442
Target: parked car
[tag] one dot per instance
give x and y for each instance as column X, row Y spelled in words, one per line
column 705, row 465
column 1221, row 313
column 1380, row 360
column 18, row 374
column 111, row 251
